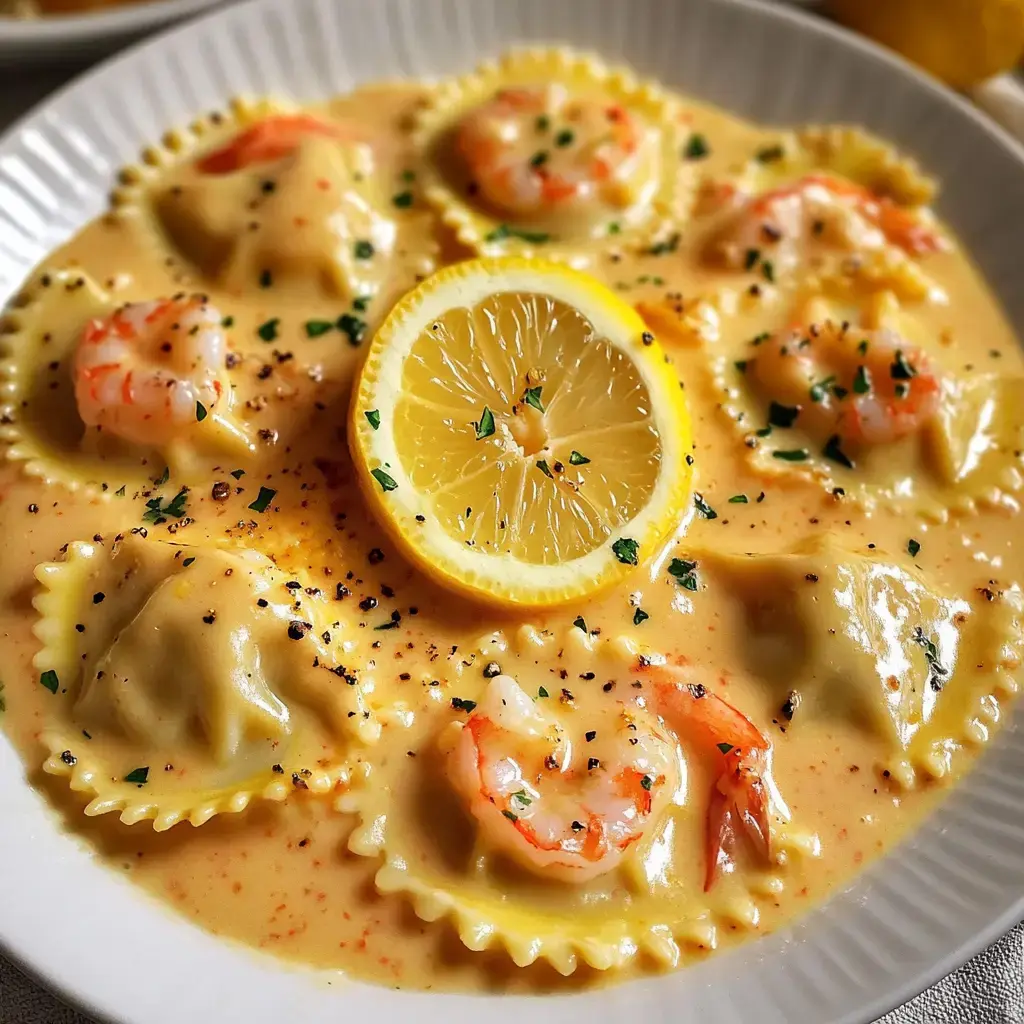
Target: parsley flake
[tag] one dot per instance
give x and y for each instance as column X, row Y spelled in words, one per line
column 119, row 493
column 503, row 231
column 363, row 250
column 750, row 259
column 138, row 776
column 640, row 616
column 791, row 454
column 49, row 680
column 668, row 245
column 684, row 573
column 268, row 331
column 486, row 425
column 861, row 381
column 373, row 418
column 188, row 561
column 263, row 499
column 580, row 623
column 696, row 147
column 201, row 412
column 626, row 550
column 352, row 327
column 314, row 328
column 238, row 473
column 463, row 705
column 543, row 467
column 531, row 396
column 738, row 499
column 163, row 477
column 913, row 547
column 900, row 368
column 403, row 200
column 157, row 512
column 386, row 482
column 541, row 692
column 703, row 508
column 646, row 782
column 724, row 747
column 769, row 154
column 575, row 459
column 833, row 451
column 782, row 415
column 564, row 138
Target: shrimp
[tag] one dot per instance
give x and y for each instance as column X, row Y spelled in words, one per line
column 865, row 387
column 562, row 807
column 788, row 225
column 537, row 150
column 150, row 370
column 272, row 139
column 742, row 757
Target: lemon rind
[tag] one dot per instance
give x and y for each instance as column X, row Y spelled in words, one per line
column 451, row 97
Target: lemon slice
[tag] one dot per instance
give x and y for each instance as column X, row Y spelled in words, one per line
column 519, row 432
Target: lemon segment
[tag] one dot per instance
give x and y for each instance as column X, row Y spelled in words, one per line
column 520, row 434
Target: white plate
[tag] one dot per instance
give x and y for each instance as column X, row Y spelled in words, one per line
column 952, row 888
column 30, row 39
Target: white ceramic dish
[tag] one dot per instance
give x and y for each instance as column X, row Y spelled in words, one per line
column 951, row 888
column 24, row 41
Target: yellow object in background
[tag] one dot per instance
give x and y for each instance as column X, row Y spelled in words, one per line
column 963, row 42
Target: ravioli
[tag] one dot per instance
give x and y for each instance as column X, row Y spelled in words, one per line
column 44, row 425
column 201, row 676
column 550, row 152
column 873, row 642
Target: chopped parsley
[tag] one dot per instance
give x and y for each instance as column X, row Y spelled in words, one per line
column 741, row 365
column 201, row 412
column 463, row 705
column 352, row 327
column 363, row 250
column 576, row 459
column 646, row 782
column 531, row 396
column 768, row 270
column 543, row 123
column 163, row 477
column 268, row 331
column 769, row 154
column 684, row 573
column 565, row 137
column 937, row 672
column 119, row 493
column 373, row 418
column 913, row 547
column 49, row 680
column 238, row 473
column 862, row 348
column 670, row 244
column 614, row 227
column 861, row 381
column 510, row 815
column 833, row 451
column 703, row 508
column 782, row 415
column 266, row 279
column 188, row 561
column 819, row 391
column 900, row 368
column 541, row 692
column 738, row 499
column 750, row 259
column 403, row 200
column 408, row 175
column 503, row 231
column 263, row 499
column 314, row 328
column 539, row 158
column 724, row 747
column 486, row 425
column 640, row 616
column 626, row 550
column 157, row 512
column 228, row 321
column 386, row 482
column 791, row 454
column 138, row 776
column 361, row 302
column 696, row 147
column 580, row 623
column 543, row 467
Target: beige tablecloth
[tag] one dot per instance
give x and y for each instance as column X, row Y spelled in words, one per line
column 987, row 990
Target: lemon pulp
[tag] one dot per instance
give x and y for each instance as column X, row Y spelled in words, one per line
column 568, row 450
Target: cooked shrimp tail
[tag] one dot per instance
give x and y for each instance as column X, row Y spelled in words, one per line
column 742, row 756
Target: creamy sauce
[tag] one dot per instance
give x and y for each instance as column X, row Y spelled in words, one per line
column 281, row 876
